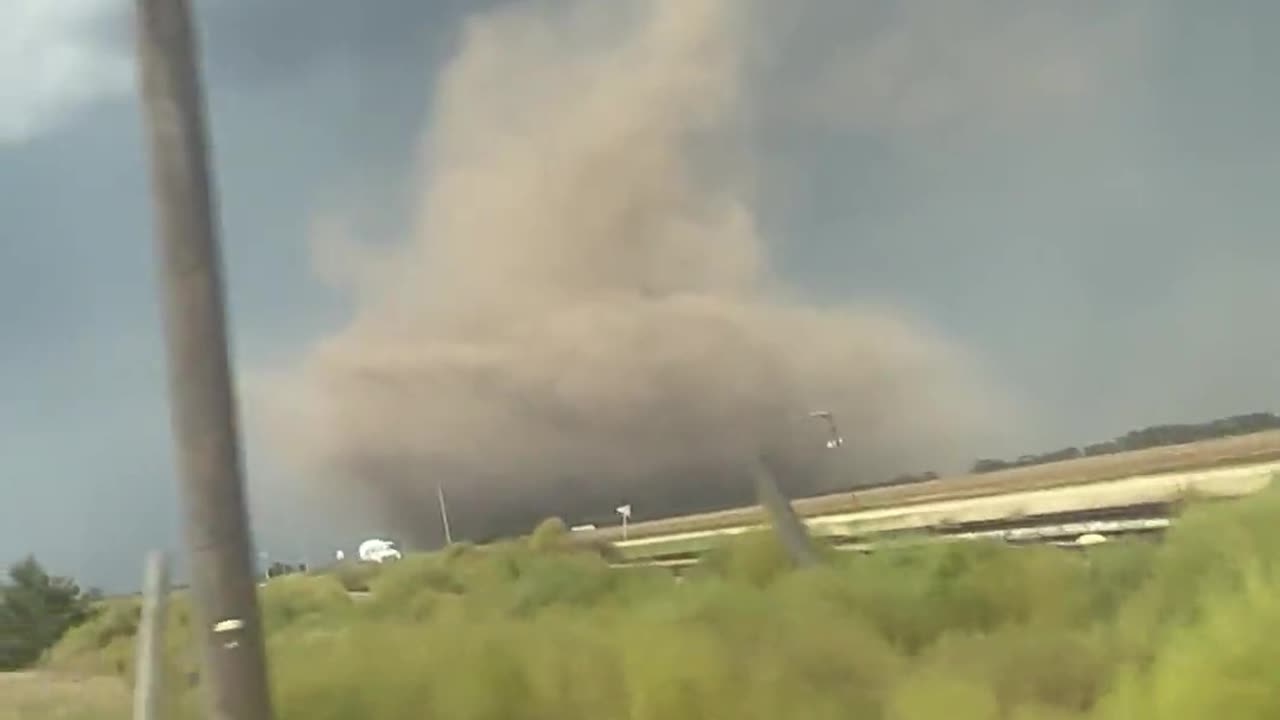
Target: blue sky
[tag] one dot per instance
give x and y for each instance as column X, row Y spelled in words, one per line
column 1084, row 198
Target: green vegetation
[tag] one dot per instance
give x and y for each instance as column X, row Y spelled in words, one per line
column 531, row 629
column 39, row 696
column 36, row 608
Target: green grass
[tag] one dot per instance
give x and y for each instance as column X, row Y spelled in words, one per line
column 532, row 630
column 47, row 696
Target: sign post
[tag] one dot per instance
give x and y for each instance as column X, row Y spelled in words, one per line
column 147, row 685
column 625, row 512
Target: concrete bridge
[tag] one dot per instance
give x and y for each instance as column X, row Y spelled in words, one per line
column 1131, row 504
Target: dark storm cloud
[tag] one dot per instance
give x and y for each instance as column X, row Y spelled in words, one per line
column 261, row 43
column 253, row 43
column 1080, row 192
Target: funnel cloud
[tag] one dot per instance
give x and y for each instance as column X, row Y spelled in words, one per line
column 584, row 313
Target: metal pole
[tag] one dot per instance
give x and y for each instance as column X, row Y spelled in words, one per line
column 203, row 410
column 444, row 514
column 149, row 673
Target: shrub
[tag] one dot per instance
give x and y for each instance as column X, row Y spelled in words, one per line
column 530, row 631
column 293, row 599
column 356, row 576
column 756, row 558
column 549, row 535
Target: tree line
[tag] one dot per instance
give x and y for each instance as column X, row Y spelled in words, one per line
column 280, row 569
column 36, row 609
column 1149, row 437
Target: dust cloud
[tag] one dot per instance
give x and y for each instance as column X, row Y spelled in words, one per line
column 583, row 313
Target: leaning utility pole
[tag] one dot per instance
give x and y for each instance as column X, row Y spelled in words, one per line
column 223, row 588
column 786, row 523
column 444, row 514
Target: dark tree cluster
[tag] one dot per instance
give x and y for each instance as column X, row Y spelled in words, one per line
column 36, row 608
column 278, row 569
column 908, row 478
column 1151, row 437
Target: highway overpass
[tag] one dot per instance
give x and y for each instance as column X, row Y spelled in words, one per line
column 1253, row 449
column 1061, row 513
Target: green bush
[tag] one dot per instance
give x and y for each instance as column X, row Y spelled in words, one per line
column 292, row 599
column 534, row 630
column 756, row 558
column 102, row 645
column 1226, row 665
column 549, row 535
column 355, row 575
column 36, row 610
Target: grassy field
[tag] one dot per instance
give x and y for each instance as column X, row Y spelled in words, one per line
column 534, row 630
column 54, row 696
column 1255, row 448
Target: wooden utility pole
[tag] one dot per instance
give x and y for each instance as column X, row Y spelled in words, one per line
column 228, row 626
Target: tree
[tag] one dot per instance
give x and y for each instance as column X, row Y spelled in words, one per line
column 279, row 569
column 36, row 608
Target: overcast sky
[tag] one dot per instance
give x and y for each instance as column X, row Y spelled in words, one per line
column 1082, row 194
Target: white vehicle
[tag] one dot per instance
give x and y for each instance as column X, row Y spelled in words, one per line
column 378, row 551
